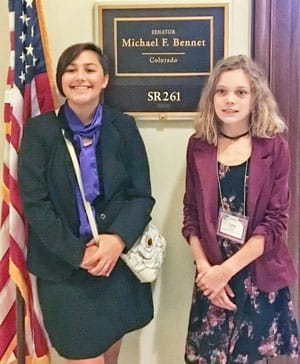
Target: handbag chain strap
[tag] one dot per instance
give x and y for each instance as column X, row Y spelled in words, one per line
column 87, row 205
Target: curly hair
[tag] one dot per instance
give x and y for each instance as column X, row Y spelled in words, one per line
column 265, row 120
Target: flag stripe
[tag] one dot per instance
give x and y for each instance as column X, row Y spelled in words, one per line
column 7, row 299
column 4, row 269
column 30, row 91
column 7, row 330
column 9, row 356
column 32, row 323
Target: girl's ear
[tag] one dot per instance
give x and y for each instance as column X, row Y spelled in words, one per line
column 105, row 83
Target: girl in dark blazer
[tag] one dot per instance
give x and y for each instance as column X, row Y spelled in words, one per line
column 89, row 298
column 235, row 220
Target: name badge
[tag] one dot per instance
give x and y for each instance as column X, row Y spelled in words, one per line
column 232, row 227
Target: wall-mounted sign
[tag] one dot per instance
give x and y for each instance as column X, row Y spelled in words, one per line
column 160, row 56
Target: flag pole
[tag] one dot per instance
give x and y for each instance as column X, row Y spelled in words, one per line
column 20, row 313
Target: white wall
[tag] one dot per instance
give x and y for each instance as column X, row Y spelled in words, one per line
column 162, row 342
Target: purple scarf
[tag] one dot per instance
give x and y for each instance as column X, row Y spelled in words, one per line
column 87, row 160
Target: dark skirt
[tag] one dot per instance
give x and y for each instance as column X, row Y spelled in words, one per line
column 84, row 315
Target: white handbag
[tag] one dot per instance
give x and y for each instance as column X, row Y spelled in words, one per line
column 146, row 256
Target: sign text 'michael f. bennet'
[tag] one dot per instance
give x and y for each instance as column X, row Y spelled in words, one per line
column 163, row 42
column 154, row 49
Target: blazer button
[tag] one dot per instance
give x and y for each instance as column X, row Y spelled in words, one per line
column 102, row 216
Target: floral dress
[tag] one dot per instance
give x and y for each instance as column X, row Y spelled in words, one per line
column 262, row 326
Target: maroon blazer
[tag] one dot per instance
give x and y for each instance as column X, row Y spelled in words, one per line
column 267, row 206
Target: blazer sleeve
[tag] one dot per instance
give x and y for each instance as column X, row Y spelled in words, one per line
column 45, row 224
column 134, row 214
column 273, row 225
column 190, row 211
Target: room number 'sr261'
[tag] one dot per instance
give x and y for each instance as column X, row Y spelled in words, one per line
column 163, row 96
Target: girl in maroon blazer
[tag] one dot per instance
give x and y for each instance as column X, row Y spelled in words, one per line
column 235, row 220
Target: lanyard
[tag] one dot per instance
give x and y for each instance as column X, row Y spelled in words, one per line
column 220, row 189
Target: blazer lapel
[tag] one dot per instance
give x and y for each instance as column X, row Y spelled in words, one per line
column 206, row 165
column 259, row 171
column 109, row 141
column 69, row 168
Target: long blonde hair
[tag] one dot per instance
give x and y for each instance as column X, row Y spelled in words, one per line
column 265, row 120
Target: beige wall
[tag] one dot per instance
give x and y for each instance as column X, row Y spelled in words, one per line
column 162, row 342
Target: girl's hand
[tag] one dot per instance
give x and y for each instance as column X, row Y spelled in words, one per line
column 213, row 280
column 100, row 260
column 223, row 299
column 90, row 249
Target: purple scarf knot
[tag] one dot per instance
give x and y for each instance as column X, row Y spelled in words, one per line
column 87, row 159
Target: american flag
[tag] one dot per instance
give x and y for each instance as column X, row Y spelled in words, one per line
column 30, row 91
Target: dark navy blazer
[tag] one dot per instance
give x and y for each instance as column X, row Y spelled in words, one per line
column 47, row 186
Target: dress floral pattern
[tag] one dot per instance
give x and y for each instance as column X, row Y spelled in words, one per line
column 262, row 326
